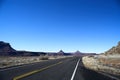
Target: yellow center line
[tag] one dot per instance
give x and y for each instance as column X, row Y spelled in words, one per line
column 35, row 71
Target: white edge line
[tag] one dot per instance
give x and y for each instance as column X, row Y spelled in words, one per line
column 73, row 75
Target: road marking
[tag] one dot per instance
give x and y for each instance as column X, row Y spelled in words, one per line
column 35, row 71
column 17, row 66
column 73, row 75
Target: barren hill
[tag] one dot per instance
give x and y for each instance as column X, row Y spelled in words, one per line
column 114, row 50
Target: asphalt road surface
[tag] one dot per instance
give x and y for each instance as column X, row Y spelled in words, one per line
column 60, row 69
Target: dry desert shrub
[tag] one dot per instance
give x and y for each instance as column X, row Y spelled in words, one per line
column 112, row 62
column 44, row 58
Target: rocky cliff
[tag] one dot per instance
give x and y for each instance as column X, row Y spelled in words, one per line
column 113, row 50
column 5, row 48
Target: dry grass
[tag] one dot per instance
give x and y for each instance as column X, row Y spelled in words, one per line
column 12, row 61
column 112, row 62
column 107, row 64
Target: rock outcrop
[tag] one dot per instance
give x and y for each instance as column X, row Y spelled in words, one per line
column 5, row 48
column 114, row 50
column 78, row 53
column 61, row 52
column 108, row 62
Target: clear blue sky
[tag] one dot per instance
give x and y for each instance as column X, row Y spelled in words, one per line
column 51, row 25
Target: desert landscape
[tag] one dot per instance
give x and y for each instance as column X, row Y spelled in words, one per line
column 108, row 62
column 10, row 57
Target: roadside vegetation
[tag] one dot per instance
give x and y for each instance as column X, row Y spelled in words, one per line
column 6, row 61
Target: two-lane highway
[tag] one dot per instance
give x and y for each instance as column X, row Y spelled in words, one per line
column 59, row 69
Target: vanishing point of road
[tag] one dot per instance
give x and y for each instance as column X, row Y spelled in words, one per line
column 59, row 69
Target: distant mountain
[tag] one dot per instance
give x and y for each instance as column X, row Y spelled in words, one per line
column 61, row 52
column 113, row 50
column 5, row 48
column 29, row 53
column 78, row 53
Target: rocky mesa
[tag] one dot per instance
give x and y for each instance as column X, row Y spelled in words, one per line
column 5, row 48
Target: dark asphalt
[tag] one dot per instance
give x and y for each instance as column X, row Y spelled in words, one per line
column 61, row 71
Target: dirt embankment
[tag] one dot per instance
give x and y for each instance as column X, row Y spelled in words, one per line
column 108, row 64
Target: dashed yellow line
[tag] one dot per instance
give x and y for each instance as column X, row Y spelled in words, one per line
column 35, row 71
